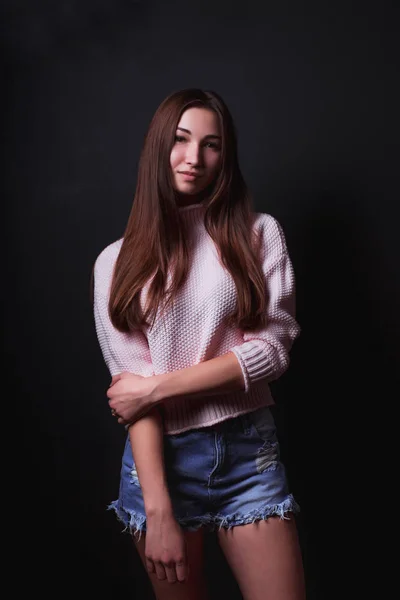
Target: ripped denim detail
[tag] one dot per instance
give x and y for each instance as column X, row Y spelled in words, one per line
column 135, row 523
column 134, row 476
column 267, row 458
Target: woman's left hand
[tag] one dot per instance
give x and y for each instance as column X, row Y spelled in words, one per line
column 130, row 397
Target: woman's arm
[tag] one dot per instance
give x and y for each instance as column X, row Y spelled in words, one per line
column 130, row 352
column 215, row 376
column 165, row 548
column 146, row 438
column 132, row 396
column 121, row 352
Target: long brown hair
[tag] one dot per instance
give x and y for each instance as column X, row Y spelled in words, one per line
column 154, row 239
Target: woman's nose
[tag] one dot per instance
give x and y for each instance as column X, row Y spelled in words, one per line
column 193, row 154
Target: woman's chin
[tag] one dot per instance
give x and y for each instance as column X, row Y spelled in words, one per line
column 191, row 192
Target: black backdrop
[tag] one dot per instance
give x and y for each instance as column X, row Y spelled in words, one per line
column 310, row 89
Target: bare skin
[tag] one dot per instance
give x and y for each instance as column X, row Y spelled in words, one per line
column 166, row 553
column 265, row 559
column 165, row 541
column 132, row 396
column 194, row 587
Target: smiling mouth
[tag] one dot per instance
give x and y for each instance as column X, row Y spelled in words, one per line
column 187, row 174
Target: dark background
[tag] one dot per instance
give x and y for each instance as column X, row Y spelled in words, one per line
column 312, row 89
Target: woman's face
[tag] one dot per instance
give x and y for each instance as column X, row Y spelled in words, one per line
column 196, row 155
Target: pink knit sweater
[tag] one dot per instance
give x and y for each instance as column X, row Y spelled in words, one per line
column 193, row 331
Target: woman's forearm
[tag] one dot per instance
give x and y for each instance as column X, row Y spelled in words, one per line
column 146, row 438
column 214, row 376
column 132, row 397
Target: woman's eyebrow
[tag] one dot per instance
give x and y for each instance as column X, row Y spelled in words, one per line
column 210, row 135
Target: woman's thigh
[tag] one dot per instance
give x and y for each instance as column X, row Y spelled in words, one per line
column 265, row 558
column 195, row 586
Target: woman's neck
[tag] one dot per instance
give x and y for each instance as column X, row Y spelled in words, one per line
column 183, row 200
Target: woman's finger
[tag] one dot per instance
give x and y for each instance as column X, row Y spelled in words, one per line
column 150, row 565
column 170, row 573
column 182, row 571
column 160, row 571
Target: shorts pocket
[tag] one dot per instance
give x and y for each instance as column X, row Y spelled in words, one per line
column 264, row 424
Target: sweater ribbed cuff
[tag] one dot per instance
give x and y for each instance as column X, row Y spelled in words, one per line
column 254, row 361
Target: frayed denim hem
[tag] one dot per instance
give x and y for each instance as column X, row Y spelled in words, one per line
column 136, row 523
column 260, row 514
column 217, row 521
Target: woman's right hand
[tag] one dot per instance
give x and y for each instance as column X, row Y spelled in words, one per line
column 165, row 549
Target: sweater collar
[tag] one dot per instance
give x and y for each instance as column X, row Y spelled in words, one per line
column 191, row 207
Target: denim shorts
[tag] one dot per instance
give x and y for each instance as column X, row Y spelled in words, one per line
column 220, row 476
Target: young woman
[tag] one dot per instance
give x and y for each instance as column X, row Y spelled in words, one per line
column 195, row 313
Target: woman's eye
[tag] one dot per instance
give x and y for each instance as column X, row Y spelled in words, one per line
column 179, row 139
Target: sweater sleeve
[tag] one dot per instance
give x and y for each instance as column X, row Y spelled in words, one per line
column 121, row 351
column 264, row 353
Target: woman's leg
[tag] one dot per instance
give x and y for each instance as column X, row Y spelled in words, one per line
column 195, row 587
column 265, row 558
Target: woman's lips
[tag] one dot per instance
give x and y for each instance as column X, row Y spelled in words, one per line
column 188, row 176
